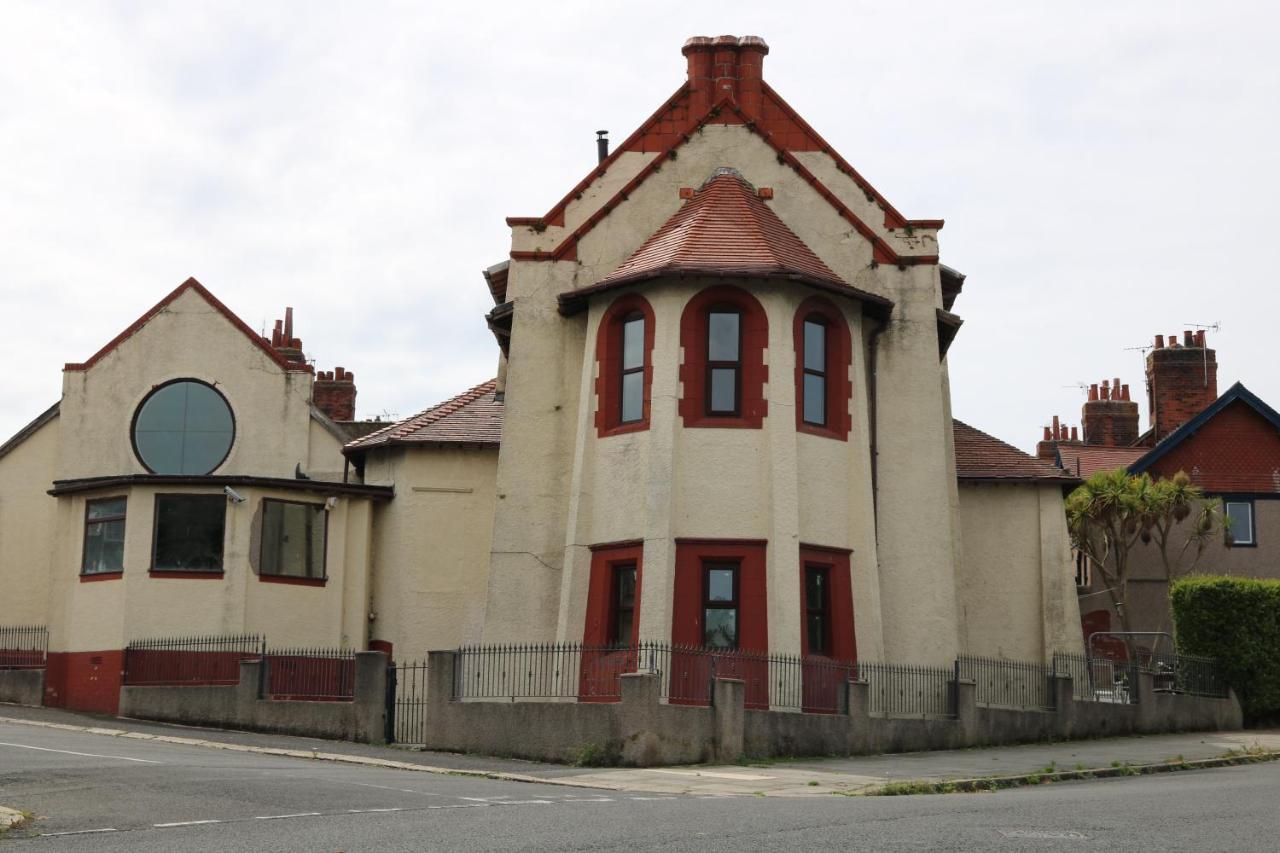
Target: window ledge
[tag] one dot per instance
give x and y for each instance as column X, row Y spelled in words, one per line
column 173, row 573
column 623, row 429
column 822, row 432
column 100, row 576
column 295, row 581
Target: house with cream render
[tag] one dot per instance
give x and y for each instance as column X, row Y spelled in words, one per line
column 721, row 418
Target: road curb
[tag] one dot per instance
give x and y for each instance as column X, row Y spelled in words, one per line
column 994, row 783
column 312, row 755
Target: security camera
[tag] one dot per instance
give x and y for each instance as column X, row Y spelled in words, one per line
column 233, row 496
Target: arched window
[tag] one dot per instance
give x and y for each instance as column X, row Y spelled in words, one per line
column 823, row 356
column 723, row 332
column 624, row 366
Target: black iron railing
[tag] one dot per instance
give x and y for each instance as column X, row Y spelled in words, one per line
column 895, row 690
column 190, row 660
column 312, row 674
column 407, row 702
column 1007, row 684
column 1189, row 674
column 23, row 646
column 686, row 674
column 1098, row 679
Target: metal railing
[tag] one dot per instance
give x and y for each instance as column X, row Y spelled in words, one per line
column 895, row 690
column 686, row 674
column 1007, row 684
column 1189, row 674
column 407, row 702
column 1096, row 679
column 23, row 646
column 311, row 674
column 190, row 660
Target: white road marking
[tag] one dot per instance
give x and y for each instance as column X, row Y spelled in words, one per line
column 391, row 788
column 82, row 754
column 647, row 799
column 587, row 800
column 184, row 823
column 283, row 816
column 371, row 811
column 78, row 832
column 522, row 803
column 486, row 799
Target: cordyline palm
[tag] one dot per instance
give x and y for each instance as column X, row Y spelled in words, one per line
column 1114, row 510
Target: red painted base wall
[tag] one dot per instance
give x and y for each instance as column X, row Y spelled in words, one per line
column 84, row 681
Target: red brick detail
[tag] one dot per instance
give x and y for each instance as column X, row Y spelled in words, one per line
column 1110, row 423
column 686, row 621
column 1183, row 382
column 1237, row 450
column 609, row 365
column 839, row 361
column 843, row 645
column 191, row 284
column 334, row 393
column 693, row 372
column 84, row 681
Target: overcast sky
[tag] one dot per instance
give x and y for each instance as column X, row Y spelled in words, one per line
column 1107, row 171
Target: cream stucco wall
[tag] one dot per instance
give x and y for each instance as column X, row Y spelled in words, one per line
column 1017, row 581
column 431, row 546
column 188, row 339
column 106, row 614
column 28, row 517
column 552, row 477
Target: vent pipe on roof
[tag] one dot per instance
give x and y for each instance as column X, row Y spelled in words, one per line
column 602, row 145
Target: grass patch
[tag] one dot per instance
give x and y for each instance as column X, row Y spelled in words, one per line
column 597, row 755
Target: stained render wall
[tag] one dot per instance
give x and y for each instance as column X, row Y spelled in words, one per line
column 547, row 484
column 431, row 546
column 27, row 518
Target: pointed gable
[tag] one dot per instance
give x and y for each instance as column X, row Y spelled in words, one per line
column 191, row 285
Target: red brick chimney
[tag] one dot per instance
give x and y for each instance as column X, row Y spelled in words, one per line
column 1181, row 380
column 334, row 393
column 1058, row 434
column 283, row 341
column 726, row 66
column 1109, row 417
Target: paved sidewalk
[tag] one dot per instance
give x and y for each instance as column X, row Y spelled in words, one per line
column 784, row 777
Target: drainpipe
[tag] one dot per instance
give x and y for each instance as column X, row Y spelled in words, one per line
column 872, row 393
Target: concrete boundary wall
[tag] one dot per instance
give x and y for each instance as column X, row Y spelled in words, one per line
column 239, row 706
column 640, row 730
column 22, row 686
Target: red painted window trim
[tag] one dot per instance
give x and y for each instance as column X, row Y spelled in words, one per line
column 839, row 361
column 101, row 576
column 840, row 610
column 601, row 594
column 753, row 611
column 195, row 575
column 609, row 365
column 293, row 580
column 752, row 406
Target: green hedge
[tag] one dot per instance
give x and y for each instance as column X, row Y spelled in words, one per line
column 1237, row 621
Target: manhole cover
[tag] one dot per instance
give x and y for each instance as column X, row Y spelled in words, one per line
column 1057, row 834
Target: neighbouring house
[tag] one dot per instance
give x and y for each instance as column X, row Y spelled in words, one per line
column 1229, row 445
column 721, row 417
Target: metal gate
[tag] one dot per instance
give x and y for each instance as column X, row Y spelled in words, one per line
column 407, row 702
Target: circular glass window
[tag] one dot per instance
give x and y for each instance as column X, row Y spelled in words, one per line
column 183, row 427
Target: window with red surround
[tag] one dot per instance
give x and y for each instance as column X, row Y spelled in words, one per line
column 826, row 603
column 613, row 595
column 723, row 333
column 624, row 366
column 824, row 355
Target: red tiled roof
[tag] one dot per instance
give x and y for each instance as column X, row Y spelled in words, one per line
column 725, row 229
column 983, row 457
column 1084, row 460
column 472, row 417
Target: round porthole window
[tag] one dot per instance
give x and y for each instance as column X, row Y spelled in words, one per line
column 183, row 427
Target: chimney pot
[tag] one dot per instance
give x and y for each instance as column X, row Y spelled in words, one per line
column 1093, row 391
column 1047, row 434
column 1124, row 393
column 288, row 323
column 1159, row 342
column 1075, row 436
column 1188, row 339
column 1200, row 339
column 602, row 145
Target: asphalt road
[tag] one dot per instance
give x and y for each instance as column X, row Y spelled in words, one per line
column 109, row 794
